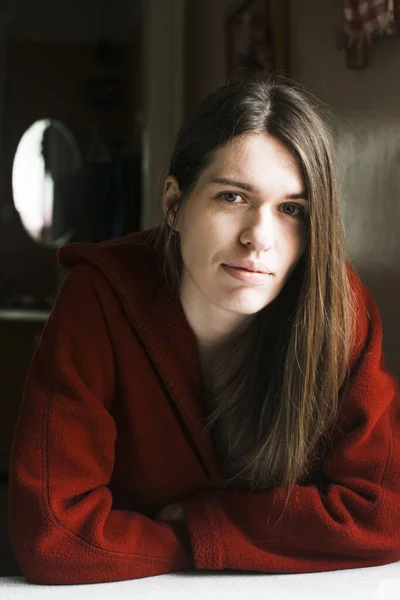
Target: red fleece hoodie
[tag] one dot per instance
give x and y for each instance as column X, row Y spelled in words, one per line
column 110, row 432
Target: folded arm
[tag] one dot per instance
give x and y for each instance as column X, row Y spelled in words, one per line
column 349, row 517
column 63, row 527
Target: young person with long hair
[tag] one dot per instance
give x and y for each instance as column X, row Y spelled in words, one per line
column 212, row 393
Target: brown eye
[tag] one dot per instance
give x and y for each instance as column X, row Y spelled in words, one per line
column 293, row 210
column 230, row 197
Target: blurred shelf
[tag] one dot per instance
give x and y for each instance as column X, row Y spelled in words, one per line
column 14, row 314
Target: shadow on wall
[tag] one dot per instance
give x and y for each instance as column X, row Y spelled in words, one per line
column 385, row 287
column 369, row 159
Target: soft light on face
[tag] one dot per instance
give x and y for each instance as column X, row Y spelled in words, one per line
column 248, row 211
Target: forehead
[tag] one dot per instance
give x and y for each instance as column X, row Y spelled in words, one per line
column 256, row 158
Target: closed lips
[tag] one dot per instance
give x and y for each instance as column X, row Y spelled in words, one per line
column 250, row 268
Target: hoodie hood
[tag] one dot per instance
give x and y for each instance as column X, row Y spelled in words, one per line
column 133, row 267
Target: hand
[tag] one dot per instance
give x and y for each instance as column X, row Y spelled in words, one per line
column 173, row 512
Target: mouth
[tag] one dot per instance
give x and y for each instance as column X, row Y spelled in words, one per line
column 245, row 275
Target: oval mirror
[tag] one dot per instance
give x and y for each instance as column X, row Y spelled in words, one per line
column 47, row 182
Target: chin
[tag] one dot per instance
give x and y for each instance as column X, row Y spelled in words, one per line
column 243, row 305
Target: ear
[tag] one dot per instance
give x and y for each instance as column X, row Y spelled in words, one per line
column 171, row 198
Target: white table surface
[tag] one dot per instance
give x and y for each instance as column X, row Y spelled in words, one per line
column 373, row 583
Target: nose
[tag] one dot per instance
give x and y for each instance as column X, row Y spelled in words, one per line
column 258, row 231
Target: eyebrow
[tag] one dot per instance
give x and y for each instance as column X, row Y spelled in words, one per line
column 249, row 188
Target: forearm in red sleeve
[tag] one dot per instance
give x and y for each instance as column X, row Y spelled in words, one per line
column 349, row 517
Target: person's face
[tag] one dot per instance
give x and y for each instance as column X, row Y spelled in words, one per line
column 247, row 212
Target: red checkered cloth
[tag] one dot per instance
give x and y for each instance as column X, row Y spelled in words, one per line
column 364, row 19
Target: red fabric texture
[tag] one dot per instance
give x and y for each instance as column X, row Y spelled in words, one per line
column 110, row 431
column 364, row 19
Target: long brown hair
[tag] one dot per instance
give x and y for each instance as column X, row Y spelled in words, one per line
column 274, row 391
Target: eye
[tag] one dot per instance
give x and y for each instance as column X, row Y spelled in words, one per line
column 230, row 197
column 294, row 210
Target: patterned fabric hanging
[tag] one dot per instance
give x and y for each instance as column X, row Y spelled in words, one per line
column 365, row 19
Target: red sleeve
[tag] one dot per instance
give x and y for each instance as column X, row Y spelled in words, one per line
column 63, row 527
column 351, row 519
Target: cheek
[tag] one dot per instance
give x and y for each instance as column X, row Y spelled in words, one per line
column 195, row 241
column 295, row 251
column 303, row 239
column 204, row 232
column 295, row 239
